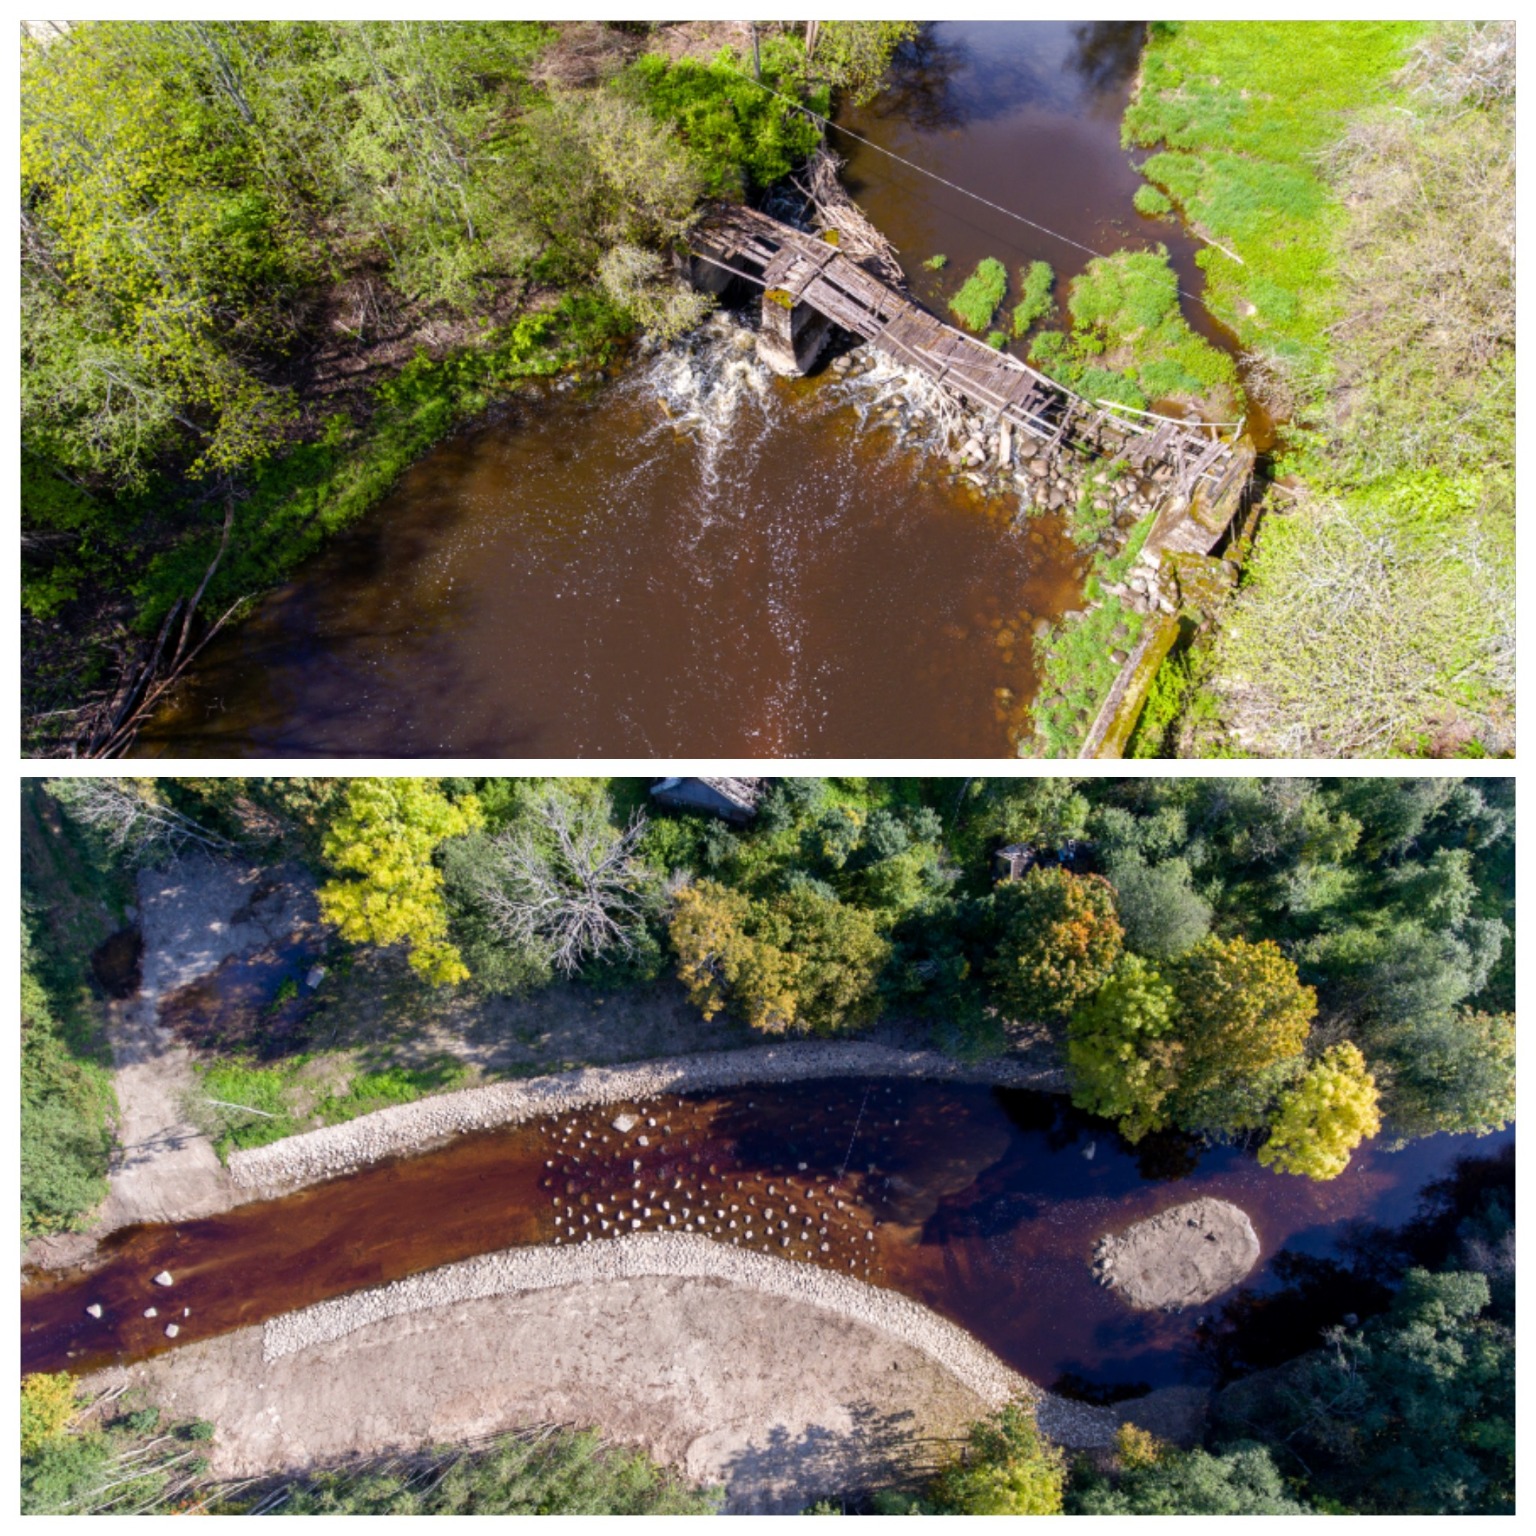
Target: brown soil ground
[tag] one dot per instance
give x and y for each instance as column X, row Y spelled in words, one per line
column 780, row 1402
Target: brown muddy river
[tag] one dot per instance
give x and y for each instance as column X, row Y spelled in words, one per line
column 983, row 1204
column 700, row 559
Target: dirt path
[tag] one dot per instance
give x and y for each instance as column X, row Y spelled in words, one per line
column 193, row 915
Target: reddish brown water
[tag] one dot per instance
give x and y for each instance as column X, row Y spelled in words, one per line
column 756, row 574
column 983, row 1205
column 753, row 574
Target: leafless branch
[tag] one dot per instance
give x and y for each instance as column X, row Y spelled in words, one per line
column 568, row 884
column 125, row 814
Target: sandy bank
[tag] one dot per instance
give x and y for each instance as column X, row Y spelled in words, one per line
column 779, row 1401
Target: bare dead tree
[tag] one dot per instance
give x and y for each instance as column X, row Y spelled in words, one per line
column 568, row 884
column 127, row 817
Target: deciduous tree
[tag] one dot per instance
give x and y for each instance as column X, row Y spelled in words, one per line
column 386, row 834
column 1059, row 940
column 1120, row 1055
column 1244, row 1017
column 1324, row 1117
column 1008, row 1468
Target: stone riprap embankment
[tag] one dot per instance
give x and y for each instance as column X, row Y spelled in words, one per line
column 1180, row 1257
column 409, row 1128
column 668, row 1255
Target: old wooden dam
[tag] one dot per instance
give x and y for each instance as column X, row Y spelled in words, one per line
column 810, row 284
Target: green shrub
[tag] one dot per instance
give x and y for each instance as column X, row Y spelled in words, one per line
column 1038, row 278
column 983, row 291
column 743, row 136
column 564, row 1473
column 66, row 1099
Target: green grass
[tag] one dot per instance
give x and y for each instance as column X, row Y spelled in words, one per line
column 1151, row 201
column 273, row 1092
column 1074, row 660
column 1243, row 111
column 936, row 263
column 1037, row 279
column 977, row 300
column 1130, row 343
column 997, row 340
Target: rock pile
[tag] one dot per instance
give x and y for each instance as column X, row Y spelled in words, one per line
column 997, row 459
column 1179, row 1258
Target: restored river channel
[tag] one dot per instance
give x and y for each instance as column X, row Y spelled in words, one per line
column 982, row 1204
column 699, row 558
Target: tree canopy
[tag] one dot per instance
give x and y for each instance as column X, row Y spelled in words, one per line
column 386, row 835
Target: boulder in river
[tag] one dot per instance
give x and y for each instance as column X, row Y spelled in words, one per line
column 1180, row 1257
column 164, row 1278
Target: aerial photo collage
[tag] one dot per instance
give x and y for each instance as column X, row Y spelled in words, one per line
column 766, row 768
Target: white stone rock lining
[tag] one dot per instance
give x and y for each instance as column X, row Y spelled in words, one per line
column 407, row 1128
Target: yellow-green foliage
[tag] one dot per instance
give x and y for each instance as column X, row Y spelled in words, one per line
column 1244, row 1016
column 1138, row 1447
column 1121, row 1060
column 47, row 1405
column 799, row 961
column 159, row 230
column 716, row 957
column 1009, row 1468
column 386, row 835
column 1324, row 1117
column 982, row 292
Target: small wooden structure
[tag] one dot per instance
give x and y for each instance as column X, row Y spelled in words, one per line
column 733, row 800
column 1011, row 862
column 808, row 285
column 1016, row 859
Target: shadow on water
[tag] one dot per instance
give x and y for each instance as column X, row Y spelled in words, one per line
column 983, row 1205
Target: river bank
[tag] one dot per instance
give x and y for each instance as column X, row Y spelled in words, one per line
column 339, row 1149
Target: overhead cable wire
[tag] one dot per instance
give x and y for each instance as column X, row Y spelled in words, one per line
column 923, row 170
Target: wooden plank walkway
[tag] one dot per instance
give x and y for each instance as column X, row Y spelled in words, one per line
column 796, row 268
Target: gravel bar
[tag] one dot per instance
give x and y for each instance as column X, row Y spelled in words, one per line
column 675, row 1256
column 407, row 1128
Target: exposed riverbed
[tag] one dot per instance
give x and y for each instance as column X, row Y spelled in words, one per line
column 984, row 1205
column 699, row 558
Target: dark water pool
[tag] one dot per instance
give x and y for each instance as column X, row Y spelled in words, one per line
column 983, row 1204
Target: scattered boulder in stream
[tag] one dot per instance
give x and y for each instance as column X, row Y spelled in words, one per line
column 1180, row 1257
